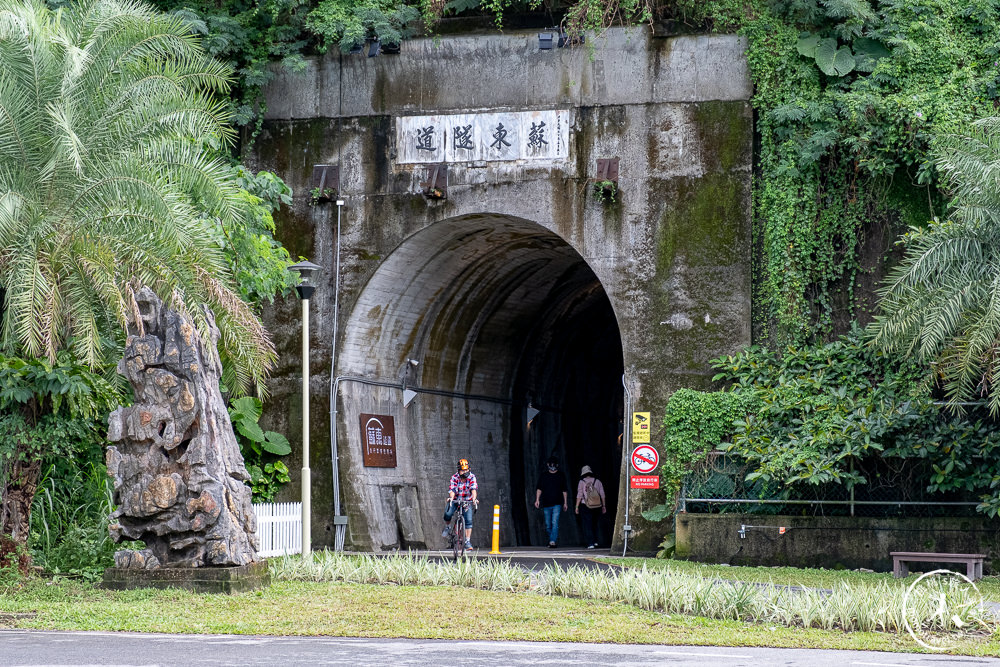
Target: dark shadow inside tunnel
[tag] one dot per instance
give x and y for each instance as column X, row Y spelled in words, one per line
column 483, row 316
column 570, row 371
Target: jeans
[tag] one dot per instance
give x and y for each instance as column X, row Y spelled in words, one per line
column 551, row 515
column 450, row 512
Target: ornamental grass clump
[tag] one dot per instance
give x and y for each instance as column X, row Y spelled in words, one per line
column 864, row 608
column 401, row 569
column 875, row 608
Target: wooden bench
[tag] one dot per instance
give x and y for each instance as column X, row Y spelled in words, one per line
column 973, row 562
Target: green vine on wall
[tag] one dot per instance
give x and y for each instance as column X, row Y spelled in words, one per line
column 850, row 95
column 696, row 423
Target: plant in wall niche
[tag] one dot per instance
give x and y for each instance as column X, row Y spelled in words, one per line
column 260, row 448
column 434, row 193
column 606, row 192
column 321, row 196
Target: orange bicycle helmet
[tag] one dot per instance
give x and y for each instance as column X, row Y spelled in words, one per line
column 463, row 465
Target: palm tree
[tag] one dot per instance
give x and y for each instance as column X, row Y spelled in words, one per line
column 942, row 303
column 107, row 122
column 110, row 181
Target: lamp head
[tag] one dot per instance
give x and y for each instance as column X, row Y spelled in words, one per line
column 307, row 273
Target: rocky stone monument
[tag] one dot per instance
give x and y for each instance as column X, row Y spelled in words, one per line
column 177, row 468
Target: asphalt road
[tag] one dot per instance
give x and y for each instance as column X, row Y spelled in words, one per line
column 22, row 648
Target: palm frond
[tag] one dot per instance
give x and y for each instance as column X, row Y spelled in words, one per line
column 942, row 302
column 106, row 185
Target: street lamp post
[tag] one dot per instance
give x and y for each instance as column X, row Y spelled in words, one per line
column 306, row 270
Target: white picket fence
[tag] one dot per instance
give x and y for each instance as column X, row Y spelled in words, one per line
column 279, row 527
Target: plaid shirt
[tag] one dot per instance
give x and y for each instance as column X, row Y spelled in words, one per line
column 463, row 487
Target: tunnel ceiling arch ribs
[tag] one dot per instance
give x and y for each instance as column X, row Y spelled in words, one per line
column 465, row 297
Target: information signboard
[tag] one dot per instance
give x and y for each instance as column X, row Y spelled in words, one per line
column 644, row 481
column 640, row 427
column 378, row 441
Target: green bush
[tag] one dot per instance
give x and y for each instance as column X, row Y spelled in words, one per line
column 261, row 449
column 69, row 519
column 841, row 413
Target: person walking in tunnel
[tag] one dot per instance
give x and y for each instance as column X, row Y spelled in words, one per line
column 590, row 494
column 463, row 486
column 551, row 492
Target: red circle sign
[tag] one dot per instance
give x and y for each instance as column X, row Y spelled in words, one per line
column 645, row 458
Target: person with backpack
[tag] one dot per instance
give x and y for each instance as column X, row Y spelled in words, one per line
column 590, row 494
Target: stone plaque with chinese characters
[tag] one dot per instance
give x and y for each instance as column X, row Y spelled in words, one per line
column 378, row 441
column 483, row 137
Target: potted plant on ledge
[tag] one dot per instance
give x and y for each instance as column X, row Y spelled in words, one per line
column 321, row 196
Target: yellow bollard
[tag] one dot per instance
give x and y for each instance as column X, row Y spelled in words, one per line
column 496, row 530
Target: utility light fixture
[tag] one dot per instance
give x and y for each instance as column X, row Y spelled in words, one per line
column 408, row 396
column 306, row 271
column 532, row 413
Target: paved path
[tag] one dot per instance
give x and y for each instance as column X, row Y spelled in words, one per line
column 21, row 648
column 532, row 558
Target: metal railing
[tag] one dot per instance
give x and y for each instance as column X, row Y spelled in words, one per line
column 720, row 486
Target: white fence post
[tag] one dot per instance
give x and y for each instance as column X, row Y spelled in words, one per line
column 279, row 528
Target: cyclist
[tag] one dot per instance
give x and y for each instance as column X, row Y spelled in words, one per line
column 463, row 486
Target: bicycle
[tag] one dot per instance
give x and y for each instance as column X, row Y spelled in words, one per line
column 456, row 534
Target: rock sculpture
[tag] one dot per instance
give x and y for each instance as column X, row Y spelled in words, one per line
column 178, row 472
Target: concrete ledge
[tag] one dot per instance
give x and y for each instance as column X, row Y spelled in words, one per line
column 507, row 71
column 831, row 542
column 198, row 579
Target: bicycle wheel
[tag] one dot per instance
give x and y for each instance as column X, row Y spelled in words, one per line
column 459, row 536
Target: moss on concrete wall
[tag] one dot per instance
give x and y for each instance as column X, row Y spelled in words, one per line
column 672, row 253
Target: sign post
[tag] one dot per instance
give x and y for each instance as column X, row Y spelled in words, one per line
column 644, row 458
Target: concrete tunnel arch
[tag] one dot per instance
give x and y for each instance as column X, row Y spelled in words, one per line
column 498, row 312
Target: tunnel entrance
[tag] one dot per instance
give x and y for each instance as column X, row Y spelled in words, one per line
column 489, row 319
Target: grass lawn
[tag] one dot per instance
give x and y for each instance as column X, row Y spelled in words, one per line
column 365, row 610
column 813, row 578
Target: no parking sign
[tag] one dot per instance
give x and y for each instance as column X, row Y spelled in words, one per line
column 645, row 459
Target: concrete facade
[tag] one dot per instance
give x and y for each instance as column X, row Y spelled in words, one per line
column 520, row 287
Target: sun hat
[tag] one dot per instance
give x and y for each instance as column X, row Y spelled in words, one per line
column 585, row 470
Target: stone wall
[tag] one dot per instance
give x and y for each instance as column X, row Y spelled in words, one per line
column 831, row 542
column 518, row 286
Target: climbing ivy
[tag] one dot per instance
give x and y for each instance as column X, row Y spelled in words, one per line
column 850, row 95
column 696, row 423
